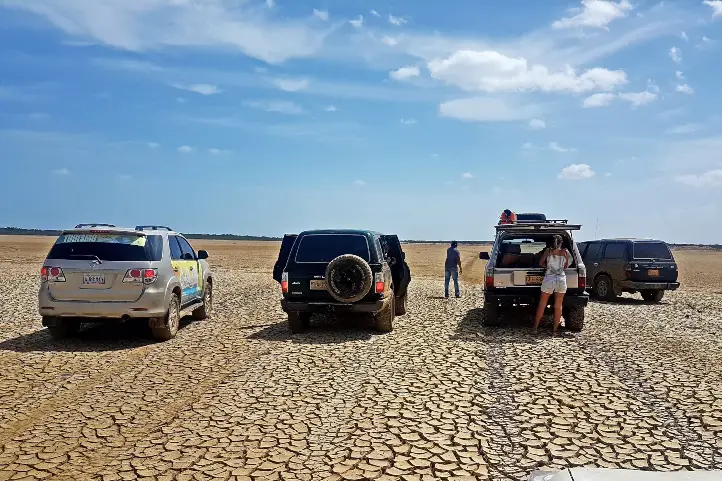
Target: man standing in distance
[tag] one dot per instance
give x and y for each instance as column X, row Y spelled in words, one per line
column 452, row 268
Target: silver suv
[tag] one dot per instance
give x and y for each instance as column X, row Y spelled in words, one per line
column 98, row 272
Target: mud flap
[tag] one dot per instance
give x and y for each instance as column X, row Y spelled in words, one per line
column 156, row 322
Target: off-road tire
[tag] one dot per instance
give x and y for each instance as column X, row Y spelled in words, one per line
column 400, row 305
column 64, row 328
column 384, row 319
column 298, row 321
column 655, row 295
column 169, row 327
column 490, row 314
column 573, row 318
column 604, row 288
column 206, row 310
column 361, row 285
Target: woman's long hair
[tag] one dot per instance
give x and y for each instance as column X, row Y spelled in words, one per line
column 557, row 242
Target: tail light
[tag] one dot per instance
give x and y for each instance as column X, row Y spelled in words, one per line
column 582, row 281
column 146, row 276
column 51, row 274
column 489, row 279
column 379, row 282
column 284, row 282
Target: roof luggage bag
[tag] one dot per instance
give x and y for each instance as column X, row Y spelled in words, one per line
column 507, row 217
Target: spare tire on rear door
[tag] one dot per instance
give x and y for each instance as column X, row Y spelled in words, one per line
column 348, row 278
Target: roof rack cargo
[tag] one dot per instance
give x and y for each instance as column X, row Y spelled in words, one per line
column 546, row 225
column 152, row 227
column 531, row 217
column 81, row 226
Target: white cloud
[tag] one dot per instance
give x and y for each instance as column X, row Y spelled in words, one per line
column 270, row 3
column 181, row 100
column 62, row 171
column 185, row 149
column 396, row 20
column 291, row 85
column 675, row 54
column 716, row 6
column 685, row 89
column 487, row 109
column 679, row 74
column 331, row 108
column 527, row 146
column 358, row 22
column 201, row 89
column 322, row 14
column 685, row 129
column 215, row 151
column 467, row 175
column 652, row 87
column 595, row 14
column 598, row 100
column 359, row 182
column 558, row 148
column 408, row 121
column 537, row 124
column 276, row 106
column 153, row 145
column 374, row 13
column 405, row 73
column 391, row 41
column 638, row 99
column 491, row 71
column 607, row 174
column 705, row 42
column 146, row 25
column 684, row 36
column 712, row 178
column 576, row 172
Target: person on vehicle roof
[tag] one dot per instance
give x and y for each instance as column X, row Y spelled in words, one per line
column 452, row 269
column 555, row 259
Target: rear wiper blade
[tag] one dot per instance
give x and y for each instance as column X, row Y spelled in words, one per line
column 87, row 256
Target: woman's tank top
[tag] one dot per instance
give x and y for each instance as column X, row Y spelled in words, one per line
column 555, row 265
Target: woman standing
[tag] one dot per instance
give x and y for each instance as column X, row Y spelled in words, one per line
column 555, row 259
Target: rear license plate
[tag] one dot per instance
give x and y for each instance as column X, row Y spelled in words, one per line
column 318, row 285
column 534, row 280
column 93, row 279
column 653, row 272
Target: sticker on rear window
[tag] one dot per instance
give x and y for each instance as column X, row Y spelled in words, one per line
column 106, row 238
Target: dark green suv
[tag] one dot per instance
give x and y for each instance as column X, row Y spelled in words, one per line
column 342, row 271
column 615, row 266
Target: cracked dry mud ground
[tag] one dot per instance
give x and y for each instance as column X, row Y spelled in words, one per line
column 238, row 397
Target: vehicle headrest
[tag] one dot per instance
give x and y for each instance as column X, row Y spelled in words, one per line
column 513, row 249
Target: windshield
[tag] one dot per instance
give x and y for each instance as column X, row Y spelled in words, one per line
column 326, row 247
column 108, row 247
column 651, row 250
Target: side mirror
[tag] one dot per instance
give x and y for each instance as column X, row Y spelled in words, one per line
column 391, row 260
column 484, row 256
column 202, row 255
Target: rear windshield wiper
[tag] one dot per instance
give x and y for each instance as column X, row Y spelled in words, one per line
column 86, row 256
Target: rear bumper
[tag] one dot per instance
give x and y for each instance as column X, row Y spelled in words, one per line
column 533, row 299
column 330, row 307
column 152, row 303
column 644, row 286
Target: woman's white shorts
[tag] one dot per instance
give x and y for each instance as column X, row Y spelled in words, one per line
column 550, row 285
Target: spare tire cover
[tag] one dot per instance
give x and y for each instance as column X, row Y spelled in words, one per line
column 348, row 278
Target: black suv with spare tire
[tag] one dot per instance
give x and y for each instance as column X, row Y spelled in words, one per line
column 342, row 271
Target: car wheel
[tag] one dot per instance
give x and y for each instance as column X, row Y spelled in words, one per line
column 348, row 278
column 655, row 295
column 400, row 305
column 384, row 319
column 574, row 318
column 490, row 314
column 205, row 311
column 63, row 328
column 298, row 321
column 604, row 289
column 169, row 327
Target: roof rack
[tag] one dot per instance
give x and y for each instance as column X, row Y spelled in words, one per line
column 549, row 224
column 81, row 226
column 152, row 227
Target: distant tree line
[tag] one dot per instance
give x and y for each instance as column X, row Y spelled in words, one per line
column 51, row 232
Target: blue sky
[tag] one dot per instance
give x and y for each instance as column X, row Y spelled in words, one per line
column 421, row 118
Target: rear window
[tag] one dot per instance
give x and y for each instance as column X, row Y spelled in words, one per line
column 107, row 247
column 652, row 250
column 326, row 247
